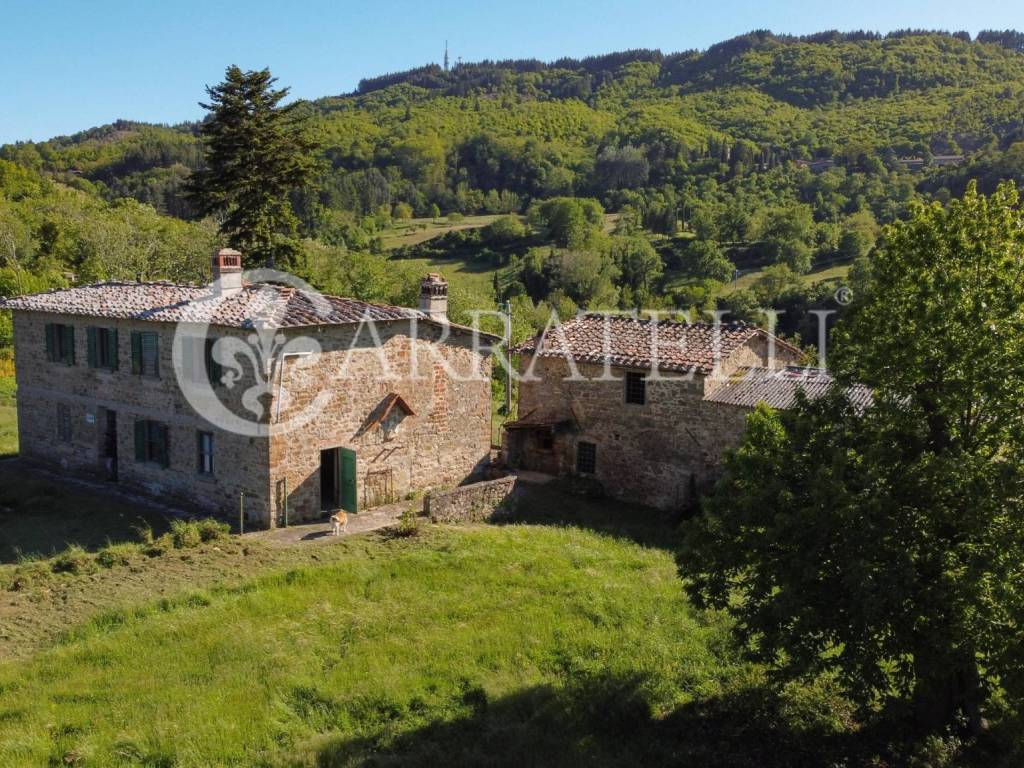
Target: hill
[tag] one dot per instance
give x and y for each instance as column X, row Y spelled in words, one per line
column 482, row 645
column 763, row 150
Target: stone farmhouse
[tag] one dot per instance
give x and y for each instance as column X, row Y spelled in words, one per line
column 266, row 396
column 647, row 408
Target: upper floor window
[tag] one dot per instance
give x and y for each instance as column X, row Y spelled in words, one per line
column 102, row 348
column 152, row 442
column 636, row 388
column 60, row 343
column 146, row 354
column 197, row 361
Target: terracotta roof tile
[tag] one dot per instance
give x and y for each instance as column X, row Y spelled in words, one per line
column 634, row 343
column 778, row 388
column 265, row 305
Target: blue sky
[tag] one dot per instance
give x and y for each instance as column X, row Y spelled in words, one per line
column 66, row 65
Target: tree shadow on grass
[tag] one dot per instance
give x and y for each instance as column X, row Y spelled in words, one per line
column 607, row 722
column 561, row 502
column 41, row 517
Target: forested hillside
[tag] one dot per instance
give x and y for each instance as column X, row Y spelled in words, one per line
column 762, row 151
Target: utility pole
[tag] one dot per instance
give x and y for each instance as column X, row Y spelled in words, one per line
column 508, row 360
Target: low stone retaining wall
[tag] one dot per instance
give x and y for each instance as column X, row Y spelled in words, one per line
column 469, row 503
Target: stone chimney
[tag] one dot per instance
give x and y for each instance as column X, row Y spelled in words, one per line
column 227, row 272
column 434, row 297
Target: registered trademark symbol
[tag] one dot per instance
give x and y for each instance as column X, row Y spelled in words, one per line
column 844, row 295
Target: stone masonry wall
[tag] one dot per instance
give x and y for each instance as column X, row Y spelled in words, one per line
column 446, row 440
column 239, row 461
column 444, row 381
column 646, row 453
column 469, row 503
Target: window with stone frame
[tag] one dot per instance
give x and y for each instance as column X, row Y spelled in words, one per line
column 64, row 422
column 204, row 444
column 586, row 458
column 146, row 354
column 101, row 345
column 636, row 388
column 152, row 442
column 60, row 343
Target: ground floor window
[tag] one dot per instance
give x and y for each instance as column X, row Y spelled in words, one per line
column 64, row 422
column 152, row 442
column 205, row 444
column 586, row 458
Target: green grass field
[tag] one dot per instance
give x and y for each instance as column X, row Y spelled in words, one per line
column 536, row 644
column 505, row 646
column 40, row 517
column 8, row 418
column 472, row 277
column 416, row 231
column 835, row 274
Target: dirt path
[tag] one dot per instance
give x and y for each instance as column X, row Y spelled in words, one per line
column 364, row 522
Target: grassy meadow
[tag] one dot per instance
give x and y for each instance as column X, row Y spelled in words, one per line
column 504, row 646
column 40, row 517
column 415, row 231
column 531, row 643
column 8, row 417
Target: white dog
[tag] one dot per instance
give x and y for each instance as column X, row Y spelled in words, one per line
column 339, row 523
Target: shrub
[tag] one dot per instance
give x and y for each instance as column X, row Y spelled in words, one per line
column 28, row 573
column 185, row 534
column 506, row 229
column 211, row 530
column 408, row 523
column 117, row 554
column 143, row 533
column 74, row 560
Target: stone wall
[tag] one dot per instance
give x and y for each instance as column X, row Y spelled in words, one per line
column 655, row 453
column 442, row 378
column 446, row 439
column 239, row 461
column 469, row 503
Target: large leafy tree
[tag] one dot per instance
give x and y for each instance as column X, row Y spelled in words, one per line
column 886, row 544
column 257, row 154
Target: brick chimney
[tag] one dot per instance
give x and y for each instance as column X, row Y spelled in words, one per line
column 434, row 297
column 227, row 272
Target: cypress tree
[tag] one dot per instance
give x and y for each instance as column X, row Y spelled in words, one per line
column 256, row 154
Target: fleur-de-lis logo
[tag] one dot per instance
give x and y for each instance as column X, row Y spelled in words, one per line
column 241, row 385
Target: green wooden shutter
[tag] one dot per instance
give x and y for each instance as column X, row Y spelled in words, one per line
column 150, row 354
column 112, row 348
column 188, row 358
column 136, row 353
column 347, row 483
column 164, row 443
column 90, row 347
column 140, row 440
column 67, row 346
column 51, row 342
column 213, row 369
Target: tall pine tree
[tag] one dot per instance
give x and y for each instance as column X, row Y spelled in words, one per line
column 256, row 154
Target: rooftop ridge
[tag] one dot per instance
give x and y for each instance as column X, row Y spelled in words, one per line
column 660, row 321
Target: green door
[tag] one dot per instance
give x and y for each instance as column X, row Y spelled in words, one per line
column 347, row 480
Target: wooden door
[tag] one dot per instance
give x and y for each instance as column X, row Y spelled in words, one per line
column 347, row 483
